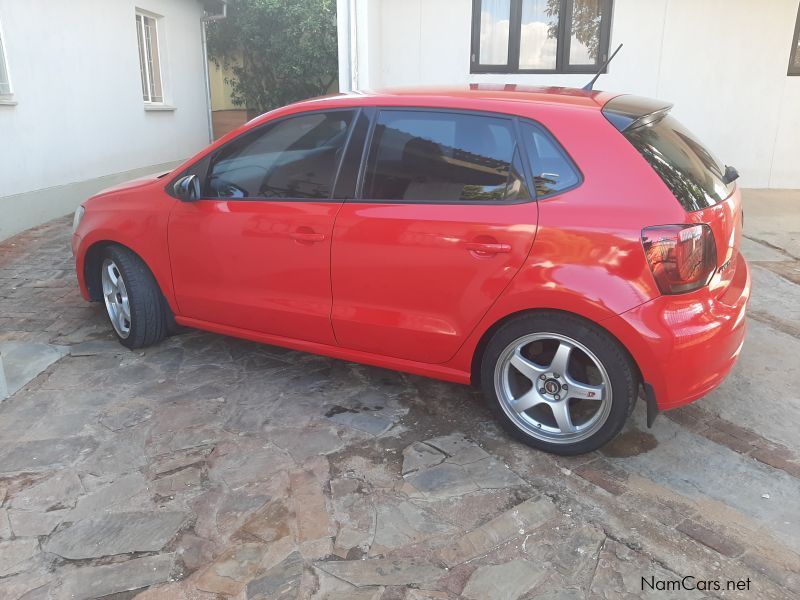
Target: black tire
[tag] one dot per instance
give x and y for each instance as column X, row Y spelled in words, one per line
column 622, row 373
column 148, row 311
column 172, row 327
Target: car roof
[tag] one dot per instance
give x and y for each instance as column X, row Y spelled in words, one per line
column 512, row 93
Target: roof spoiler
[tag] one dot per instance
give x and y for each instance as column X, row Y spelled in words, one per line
column 628, row 112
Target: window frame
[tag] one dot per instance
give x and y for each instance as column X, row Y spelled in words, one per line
column 144, row 52
column 561, row 149
column 563, row 65
column 794, row 66
column 203, row 164
column 202, row 167
column 4, row 58
column 520, row 146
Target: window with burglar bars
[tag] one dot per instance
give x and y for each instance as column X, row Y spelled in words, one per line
column 540, row 36
column 150, row 67
column 5, row 82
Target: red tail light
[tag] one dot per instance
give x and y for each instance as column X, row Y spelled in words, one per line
column 682, row 257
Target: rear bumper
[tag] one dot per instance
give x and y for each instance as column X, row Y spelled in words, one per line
column 685, row 345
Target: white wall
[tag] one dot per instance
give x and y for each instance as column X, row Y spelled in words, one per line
column 79, row 114
column 722, row 62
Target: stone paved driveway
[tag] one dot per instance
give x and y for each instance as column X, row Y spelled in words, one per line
column 209, row 467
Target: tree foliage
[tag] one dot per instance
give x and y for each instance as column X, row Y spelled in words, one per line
column 586, row 17
column 279, row 51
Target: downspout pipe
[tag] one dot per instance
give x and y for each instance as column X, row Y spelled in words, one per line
column 344, row 42
column 207, row 18
column 347, row 34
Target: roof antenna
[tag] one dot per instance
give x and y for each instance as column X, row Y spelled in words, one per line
column 590, row 86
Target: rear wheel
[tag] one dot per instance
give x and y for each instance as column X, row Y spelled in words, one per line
column 133, row 300
column 558, row 383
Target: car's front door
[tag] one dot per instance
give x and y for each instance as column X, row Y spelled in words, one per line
column 443, row 223
column 254, row 251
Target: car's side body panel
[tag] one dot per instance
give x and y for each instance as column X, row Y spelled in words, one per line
column 261, row 265
column 405, row 282
column 442, row 372
column 135, row 217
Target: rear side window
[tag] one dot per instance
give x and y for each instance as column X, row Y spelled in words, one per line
column 296, row 157
column 691, row 172
column 552, row 170
column 419, row 156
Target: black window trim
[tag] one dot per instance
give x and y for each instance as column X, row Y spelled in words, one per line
column 520, row 146
column 794, row 69
column 203, row 165
column 563, row 49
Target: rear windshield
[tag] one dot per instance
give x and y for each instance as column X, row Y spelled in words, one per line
column 693, row 174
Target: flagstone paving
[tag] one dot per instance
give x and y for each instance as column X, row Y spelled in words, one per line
column 209, row 467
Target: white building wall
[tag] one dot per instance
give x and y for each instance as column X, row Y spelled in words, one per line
column 79, row 122
column 722, row 62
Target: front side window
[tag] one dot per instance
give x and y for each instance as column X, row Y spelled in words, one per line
column 540, row 36
column 794, row 56
column 294, row 158
column 5, row 81
column 421, row 156
column 149, row 61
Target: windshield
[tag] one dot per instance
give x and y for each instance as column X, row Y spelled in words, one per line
column 694, row 175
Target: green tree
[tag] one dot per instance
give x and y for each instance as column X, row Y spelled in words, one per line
column 586, row 17
column 279, row 51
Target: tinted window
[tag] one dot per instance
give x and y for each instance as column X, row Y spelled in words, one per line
column 435, row 156
column 693, row 174
column 294, row 158
column 551, row 168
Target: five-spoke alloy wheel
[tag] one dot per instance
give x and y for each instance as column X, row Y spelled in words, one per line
column 559, row 383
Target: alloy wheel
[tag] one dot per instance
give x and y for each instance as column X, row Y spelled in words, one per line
column 553, row 388
column 115, row 295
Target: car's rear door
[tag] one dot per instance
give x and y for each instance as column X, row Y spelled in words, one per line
column 254, row 251
column 441, row 224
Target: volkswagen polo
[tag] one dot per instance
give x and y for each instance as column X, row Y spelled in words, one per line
column 569, row 251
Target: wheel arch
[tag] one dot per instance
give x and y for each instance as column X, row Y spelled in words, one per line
column 91, row 268
column 483, row 342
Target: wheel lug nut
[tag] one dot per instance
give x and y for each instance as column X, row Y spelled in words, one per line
column 557, row 397
column 541, row 390
column 556, row 375
column 542, row 376
column 563, row 386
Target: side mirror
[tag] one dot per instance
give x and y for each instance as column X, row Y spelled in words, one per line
column 187, row 188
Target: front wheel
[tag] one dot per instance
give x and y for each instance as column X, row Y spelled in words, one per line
column 133, row 300
column 558, row 383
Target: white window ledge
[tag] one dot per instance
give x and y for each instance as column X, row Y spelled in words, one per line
column 7, row 100
column 159, row 107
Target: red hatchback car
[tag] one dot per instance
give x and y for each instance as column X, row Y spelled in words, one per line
column 563, row 248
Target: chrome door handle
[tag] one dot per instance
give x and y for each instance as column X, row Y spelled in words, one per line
column 488, row 248
column 308, row 237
